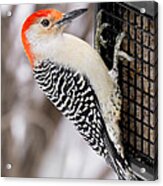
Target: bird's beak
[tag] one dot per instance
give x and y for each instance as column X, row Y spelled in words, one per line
column 68, row 17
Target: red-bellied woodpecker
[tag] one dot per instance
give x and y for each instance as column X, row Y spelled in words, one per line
column 75, row 79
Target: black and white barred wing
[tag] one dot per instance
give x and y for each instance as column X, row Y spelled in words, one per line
column 73, row 95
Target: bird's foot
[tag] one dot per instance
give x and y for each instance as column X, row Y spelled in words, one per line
column 119, row 54
column 99, row 40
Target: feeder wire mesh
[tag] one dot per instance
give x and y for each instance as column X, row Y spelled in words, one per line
column 138, row 79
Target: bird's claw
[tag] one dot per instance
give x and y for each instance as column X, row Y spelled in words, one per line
column 99, row 40
column 119, row 54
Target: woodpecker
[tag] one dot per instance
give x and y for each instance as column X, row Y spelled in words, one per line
column 75, row 79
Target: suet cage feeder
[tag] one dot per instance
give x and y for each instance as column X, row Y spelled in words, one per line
column 138, row 79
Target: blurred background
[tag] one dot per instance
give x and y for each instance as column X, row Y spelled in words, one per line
column 37, row 141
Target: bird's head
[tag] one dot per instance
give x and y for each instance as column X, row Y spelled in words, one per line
column 43, row 25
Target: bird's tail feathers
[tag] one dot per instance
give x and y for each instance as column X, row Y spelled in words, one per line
column 122, row 168
column 119, row 163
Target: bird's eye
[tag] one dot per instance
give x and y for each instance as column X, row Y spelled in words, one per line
column 45, row 22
